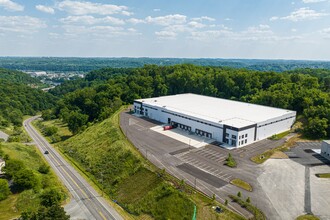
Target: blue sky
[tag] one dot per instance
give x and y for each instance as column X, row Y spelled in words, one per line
column 263, row 29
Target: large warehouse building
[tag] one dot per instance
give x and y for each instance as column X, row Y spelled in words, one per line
column 231, row 122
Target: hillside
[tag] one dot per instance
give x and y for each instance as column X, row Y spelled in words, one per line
column 103, row 152
column 18, row 98
column 18, row 77
column 105, row 155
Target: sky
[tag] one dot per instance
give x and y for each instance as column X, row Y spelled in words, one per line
column 252, row 29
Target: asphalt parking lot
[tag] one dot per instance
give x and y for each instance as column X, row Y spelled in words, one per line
column 204, row 167
column 210, row 158
column 304, row 153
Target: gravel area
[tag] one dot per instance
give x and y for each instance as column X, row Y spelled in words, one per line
column 283, row 181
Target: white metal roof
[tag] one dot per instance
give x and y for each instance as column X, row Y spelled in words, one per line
column 221, row 111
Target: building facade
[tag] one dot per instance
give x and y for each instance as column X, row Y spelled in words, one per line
column 325, row 149
column 233, row 123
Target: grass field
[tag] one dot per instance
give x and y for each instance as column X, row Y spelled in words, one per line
column 242, row 184
column 28, row 199
column 103, row 153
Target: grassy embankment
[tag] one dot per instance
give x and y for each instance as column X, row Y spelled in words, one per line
column 28, row 199
column 267, row 154
column 104, row 155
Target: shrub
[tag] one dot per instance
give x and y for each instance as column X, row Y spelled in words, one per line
column 239, row 194
column 4, row 189
column 44, row 169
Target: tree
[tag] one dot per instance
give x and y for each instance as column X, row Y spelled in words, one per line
column 76, row 120
column 248, row 200
column 4, row 189
column 226, row 202
column 26, row 179
column 55, row 212
column 12, row 167
column 239, row 194
column 316, row 127
column 49, row 131
column 51, row 197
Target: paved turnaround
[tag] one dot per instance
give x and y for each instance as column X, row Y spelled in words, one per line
column 86, row 202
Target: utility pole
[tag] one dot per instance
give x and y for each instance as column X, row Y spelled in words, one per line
column 102, row 183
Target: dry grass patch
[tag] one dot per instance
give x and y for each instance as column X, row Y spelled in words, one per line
column 279, row 155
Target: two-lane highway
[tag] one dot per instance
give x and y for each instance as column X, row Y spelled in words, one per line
column 87, row 204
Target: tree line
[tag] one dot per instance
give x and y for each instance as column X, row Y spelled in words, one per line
column 103, row 91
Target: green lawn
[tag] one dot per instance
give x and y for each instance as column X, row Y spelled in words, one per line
column 323, row 175
column 8, row 208
column 242, row 184
column 307, row 217
column 280, row 135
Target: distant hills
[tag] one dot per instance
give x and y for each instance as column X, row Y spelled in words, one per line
column 72, row 64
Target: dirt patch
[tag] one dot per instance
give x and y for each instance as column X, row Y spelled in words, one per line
column 279, row 155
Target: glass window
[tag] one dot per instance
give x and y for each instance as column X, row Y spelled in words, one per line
column 227, row 135
column 233, row 136
column 245, row 135
column 245, row 140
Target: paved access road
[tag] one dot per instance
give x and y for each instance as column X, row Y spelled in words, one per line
column 87, row 203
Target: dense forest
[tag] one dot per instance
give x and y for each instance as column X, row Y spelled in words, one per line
column 103, row 91
column 18, row 98
column 75, row 64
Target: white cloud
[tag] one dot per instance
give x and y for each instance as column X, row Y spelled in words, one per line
column 11, row 6
column 167, row 20
column 84, row 8
column 325, row 33
column 166, row 35
column 195, row 24
column 156, row 9
column 21, row 24
column 91, row 20
column 99, row 31
column 313, row 1
column 300, row 15
column 136, row 21
column 203, row 18
column 45, row 9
